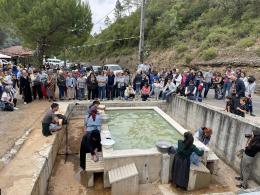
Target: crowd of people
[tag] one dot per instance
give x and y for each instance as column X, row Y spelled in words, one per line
column 232, row 85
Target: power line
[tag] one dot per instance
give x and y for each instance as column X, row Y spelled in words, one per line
column 100, row 20
column 109, row 41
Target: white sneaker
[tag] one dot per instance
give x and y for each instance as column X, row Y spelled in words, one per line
column 25, row 103
column 16, row 108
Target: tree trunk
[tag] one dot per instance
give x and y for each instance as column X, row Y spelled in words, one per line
column 40, row 52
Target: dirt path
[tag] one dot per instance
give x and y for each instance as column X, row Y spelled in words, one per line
column 15, row 124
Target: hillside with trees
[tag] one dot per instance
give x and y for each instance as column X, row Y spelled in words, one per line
column 197, row 30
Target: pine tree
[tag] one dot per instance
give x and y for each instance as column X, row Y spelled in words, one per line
column 48, row 25
column 107, row 21
column 118, row 10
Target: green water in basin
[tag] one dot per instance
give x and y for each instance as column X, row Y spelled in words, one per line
column 139, row 129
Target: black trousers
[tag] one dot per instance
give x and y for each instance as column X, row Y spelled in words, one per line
column 37, row 90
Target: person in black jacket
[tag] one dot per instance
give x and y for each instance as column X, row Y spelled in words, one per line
column 90, row 144
column 252, row 148
column 239, row 86
column 61, row 82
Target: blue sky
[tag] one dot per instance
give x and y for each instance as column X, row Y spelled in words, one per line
column 100, row 8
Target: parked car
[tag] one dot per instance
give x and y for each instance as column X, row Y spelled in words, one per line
column 54, row 63
column 97, row 69
column 116, row 68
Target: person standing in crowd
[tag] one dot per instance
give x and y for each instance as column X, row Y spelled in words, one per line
column 120, row 80
column 81, row 85
column 25, row 87
column 70, row 84
column 36, row 85
column 181, row 162
column 102, row 80
column 61, row 83
column 248, row 158
column 44, row 78
column 157, row 88
column 50, row 122
column 110, row 85
column 241, row 109
column 177, row 78
column 250, row 86
column 92, row 86
column 90, row 144
column 227, row 82
column 137, row 82
column 51, row 84
column 243, row 77
column 199, row 85
column 238, row 85
column 228, row 101
column 145, row 92
column 207, row 82
column 190, row 91
column 218, row 85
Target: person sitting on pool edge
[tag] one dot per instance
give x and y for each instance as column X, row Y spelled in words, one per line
column 93, row 106
column 50, row 122
column 203, row 134
column 93, row 121
column 90, row 144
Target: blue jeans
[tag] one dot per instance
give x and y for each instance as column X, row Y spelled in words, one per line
column 138, row 88
column 199, row 96
column 102, row 92
column 61, row 92
column 206, row 89
column 226, row 89
column 250, row 106
column 81, row 93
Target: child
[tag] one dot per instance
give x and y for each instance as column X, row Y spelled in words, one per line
column 241, row 108
column 228, row 103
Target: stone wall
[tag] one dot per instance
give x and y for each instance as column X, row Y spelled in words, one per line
column 228, row 130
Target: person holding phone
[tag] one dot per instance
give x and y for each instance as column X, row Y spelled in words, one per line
column 252, row 148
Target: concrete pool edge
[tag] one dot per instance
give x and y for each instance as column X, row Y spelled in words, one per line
column 110, row 153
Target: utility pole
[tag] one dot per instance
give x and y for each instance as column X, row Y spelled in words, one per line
column 141, row 43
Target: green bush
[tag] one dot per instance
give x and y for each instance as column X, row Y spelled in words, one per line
column 188, row 58
column 181, row 48
column 209, row 54
column 246, row 42
column 258, row 52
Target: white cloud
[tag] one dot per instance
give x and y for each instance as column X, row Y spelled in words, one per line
column 100, row 8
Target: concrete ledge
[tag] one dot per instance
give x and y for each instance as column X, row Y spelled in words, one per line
column 228, row 129
column 29, row 171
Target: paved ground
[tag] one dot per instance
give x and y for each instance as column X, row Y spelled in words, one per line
column 220, row 104
column 15, row 124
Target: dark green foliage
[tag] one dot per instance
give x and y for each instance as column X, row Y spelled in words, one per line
column 48, row 25
column 185, row 25
column 209, row 54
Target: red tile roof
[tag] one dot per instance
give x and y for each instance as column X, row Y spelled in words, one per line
column 17, row 51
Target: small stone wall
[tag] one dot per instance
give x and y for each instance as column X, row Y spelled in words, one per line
column 83, row 106
column 228, row 130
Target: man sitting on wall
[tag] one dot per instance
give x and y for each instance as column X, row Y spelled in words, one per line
column 50, row 122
